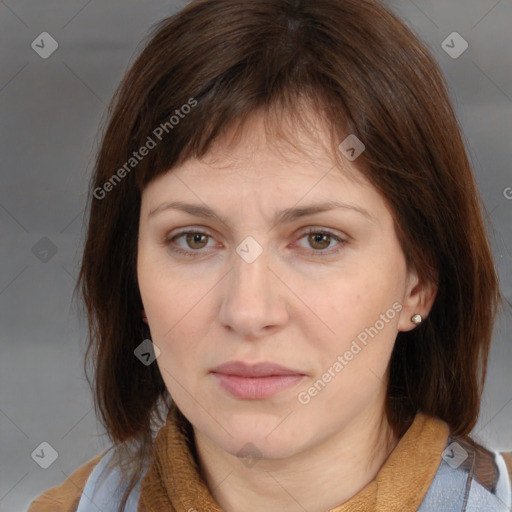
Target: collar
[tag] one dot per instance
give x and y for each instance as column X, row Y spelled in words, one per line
column 173, row 482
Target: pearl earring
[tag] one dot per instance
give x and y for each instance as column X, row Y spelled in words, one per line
column 416, row 319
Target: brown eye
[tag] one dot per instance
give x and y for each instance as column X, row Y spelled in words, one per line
column 196, row 240
column 189, row 243
column 319, row 240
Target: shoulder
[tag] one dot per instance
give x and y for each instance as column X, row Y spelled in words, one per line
column 66, row 496
column 470, row 477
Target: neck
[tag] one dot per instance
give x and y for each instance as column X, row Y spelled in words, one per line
column 318, row 479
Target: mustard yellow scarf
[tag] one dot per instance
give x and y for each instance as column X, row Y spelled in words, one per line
column 173, row 482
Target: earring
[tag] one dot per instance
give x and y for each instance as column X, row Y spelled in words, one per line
column 416, row 319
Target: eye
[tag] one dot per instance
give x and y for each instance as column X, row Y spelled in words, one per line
column 194, row 242
column 321, row 240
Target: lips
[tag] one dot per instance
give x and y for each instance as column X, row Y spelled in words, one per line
column 257, row 381
column 264, row 369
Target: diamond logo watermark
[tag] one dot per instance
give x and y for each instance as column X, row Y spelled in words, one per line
column 455, row 455
column 45, row 455
column 249, row 455
column 249, row 249
column 454, row 45
column 351, row 147
column 44, row 249
column 44, row 45
column 147, row 352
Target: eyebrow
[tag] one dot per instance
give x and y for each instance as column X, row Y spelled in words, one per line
column 284, row 216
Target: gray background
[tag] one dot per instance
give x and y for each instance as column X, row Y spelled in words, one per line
column 50, row 112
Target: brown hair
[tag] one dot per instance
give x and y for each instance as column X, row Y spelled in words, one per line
column 364, row 73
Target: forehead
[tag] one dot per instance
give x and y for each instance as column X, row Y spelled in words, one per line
column 283, row 147
column 252, row 169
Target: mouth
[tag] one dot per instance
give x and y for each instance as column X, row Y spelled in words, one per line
column 264, row 369
column 255, row 382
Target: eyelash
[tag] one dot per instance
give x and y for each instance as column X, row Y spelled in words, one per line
column 322, row 252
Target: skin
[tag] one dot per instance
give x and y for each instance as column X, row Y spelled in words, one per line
column 300, row 304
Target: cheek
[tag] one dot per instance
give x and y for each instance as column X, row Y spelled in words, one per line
column 177, row 328
column 179, row 311
column 361, row 313
column 170, row 298
column 177, row 316
column 356, row 358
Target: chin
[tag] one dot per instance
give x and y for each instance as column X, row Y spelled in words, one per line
column 267, row 442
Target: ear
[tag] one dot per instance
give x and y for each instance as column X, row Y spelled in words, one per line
column 144, row 317
column 419, row 298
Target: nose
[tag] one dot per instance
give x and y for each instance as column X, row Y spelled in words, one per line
column 253, row 302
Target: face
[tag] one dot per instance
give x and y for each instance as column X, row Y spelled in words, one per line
column 251, row 264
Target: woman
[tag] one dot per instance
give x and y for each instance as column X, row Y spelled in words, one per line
column 287, row 265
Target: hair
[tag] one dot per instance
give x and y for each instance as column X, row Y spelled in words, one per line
column 362, row 71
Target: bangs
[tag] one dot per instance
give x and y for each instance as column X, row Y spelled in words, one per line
column 292, row 121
